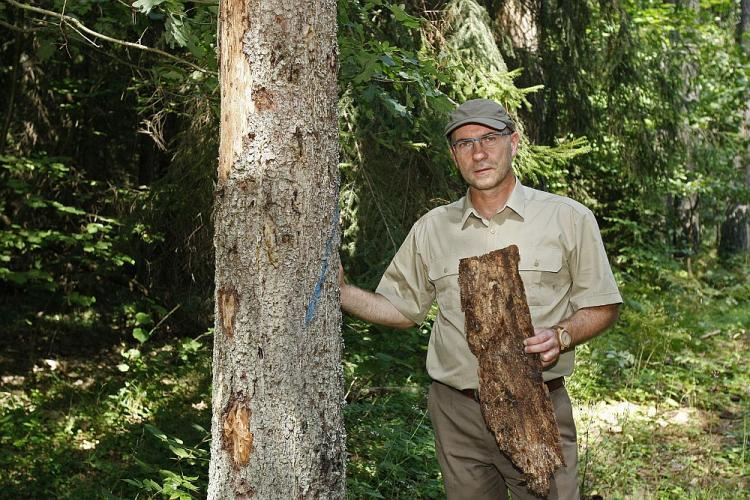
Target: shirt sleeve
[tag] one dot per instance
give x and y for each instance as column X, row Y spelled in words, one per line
column 593, row 281
column 406, row 283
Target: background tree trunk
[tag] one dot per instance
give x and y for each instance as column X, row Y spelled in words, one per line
column 688, row 234
column 18, row 42
column 277, row 428
column 735, row 231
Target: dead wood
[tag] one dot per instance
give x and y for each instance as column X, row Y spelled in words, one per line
column 515, row 402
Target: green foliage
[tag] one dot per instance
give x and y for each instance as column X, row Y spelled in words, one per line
column 176, row 485
column 55, row 241
column 389, row 436
column 659, row 92
column 81, row 428
column 675, row 367
column 101, row 392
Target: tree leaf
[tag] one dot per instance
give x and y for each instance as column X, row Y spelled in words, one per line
column 403, row 17
column 146, row 6
column 140, row 335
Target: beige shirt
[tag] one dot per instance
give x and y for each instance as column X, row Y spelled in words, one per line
column 563, row 266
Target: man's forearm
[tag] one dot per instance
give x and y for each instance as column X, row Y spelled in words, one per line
column 583, row 325
column 589, row 322
column 372, row 307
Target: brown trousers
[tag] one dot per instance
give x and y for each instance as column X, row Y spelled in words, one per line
column 473, row 466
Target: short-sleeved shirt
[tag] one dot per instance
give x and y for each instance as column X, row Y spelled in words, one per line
column 563, row 266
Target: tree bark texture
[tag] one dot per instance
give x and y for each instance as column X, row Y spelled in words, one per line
column 277, row 429
column 743, row 27
column 519, row 20
column 688, row 237
column 514, row 400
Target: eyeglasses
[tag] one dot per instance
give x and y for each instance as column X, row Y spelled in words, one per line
column 488, row 141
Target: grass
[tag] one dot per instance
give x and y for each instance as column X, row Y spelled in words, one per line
column 661, row 403
column 78, row 428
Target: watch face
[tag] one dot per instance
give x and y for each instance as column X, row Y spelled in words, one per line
column 565, row 338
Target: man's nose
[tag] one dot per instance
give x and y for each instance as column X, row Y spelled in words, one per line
column 478, row 152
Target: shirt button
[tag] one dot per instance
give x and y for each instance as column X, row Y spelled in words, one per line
column 445, row 269
column 492, row 231
column 536, row 263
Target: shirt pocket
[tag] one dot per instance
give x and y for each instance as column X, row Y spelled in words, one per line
column 541, row 270
column 443, row 274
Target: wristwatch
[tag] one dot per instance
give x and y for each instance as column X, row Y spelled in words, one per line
column 563, row 337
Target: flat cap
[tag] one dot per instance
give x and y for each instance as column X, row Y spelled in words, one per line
column 482, row 111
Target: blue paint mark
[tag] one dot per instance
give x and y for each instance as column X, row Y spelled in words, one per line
column 312, row 305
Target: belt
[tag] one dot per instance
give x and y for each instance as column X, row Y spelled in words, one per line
column 552, row 385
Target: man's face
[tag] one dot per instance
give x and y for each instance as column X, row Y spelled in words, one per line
column 484, row 168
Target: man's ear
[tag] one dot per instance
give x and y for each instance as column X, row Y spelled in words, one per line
column 453, row 155
column 452, row 151
column 515, row 138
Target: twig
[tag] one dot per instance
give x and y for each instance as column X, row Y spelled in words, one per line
column 368, row 391
column 62, row 31
column 710, row 334
column 82, row 36
column 348, row 391
column 20, row 29
column 75, row 23
column 120, row 60
column 164, row 319
column 369, row 184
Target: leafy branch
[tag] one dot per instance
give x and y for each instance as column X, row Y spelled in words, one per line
column 79, row 27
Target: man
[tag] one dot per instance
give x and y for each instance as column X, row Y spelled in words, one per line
column 570, row 290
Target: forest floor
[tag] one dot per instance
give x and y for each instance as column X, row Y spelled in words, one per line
column 661, row 403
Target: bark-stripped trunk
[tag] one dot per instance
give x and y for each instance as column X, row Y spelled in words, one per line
column 277, row 428
column 735, row 231
column 515, row 402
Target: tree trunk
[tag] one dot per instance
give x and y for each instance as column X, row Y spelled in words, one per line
column 277, row 428
column 11, row 93
column 688, row 235
column 519, row 20
column 735, row 231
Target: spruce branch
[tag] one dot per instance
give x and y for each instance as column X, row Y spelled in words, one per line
column 79, row 27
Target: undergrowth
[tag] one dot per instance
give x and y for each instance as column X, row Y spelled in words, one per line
column 661, row 404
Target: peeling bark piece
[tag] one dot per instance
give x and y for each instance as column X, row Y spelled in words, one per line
column 238, row 439
column 227, row 302
column 514, row 400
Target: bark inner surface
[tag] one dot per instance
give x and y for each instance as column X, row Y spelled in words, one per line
column 514, row 400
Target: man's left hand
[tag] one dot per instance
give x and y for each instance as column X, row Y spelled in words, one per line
column 544, row 342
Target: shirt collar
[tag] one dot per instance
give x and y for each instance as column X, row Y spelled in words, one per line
column 516, row 202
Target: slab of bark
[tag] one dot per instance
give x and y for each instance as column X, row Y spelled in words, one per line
column 514, row 400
